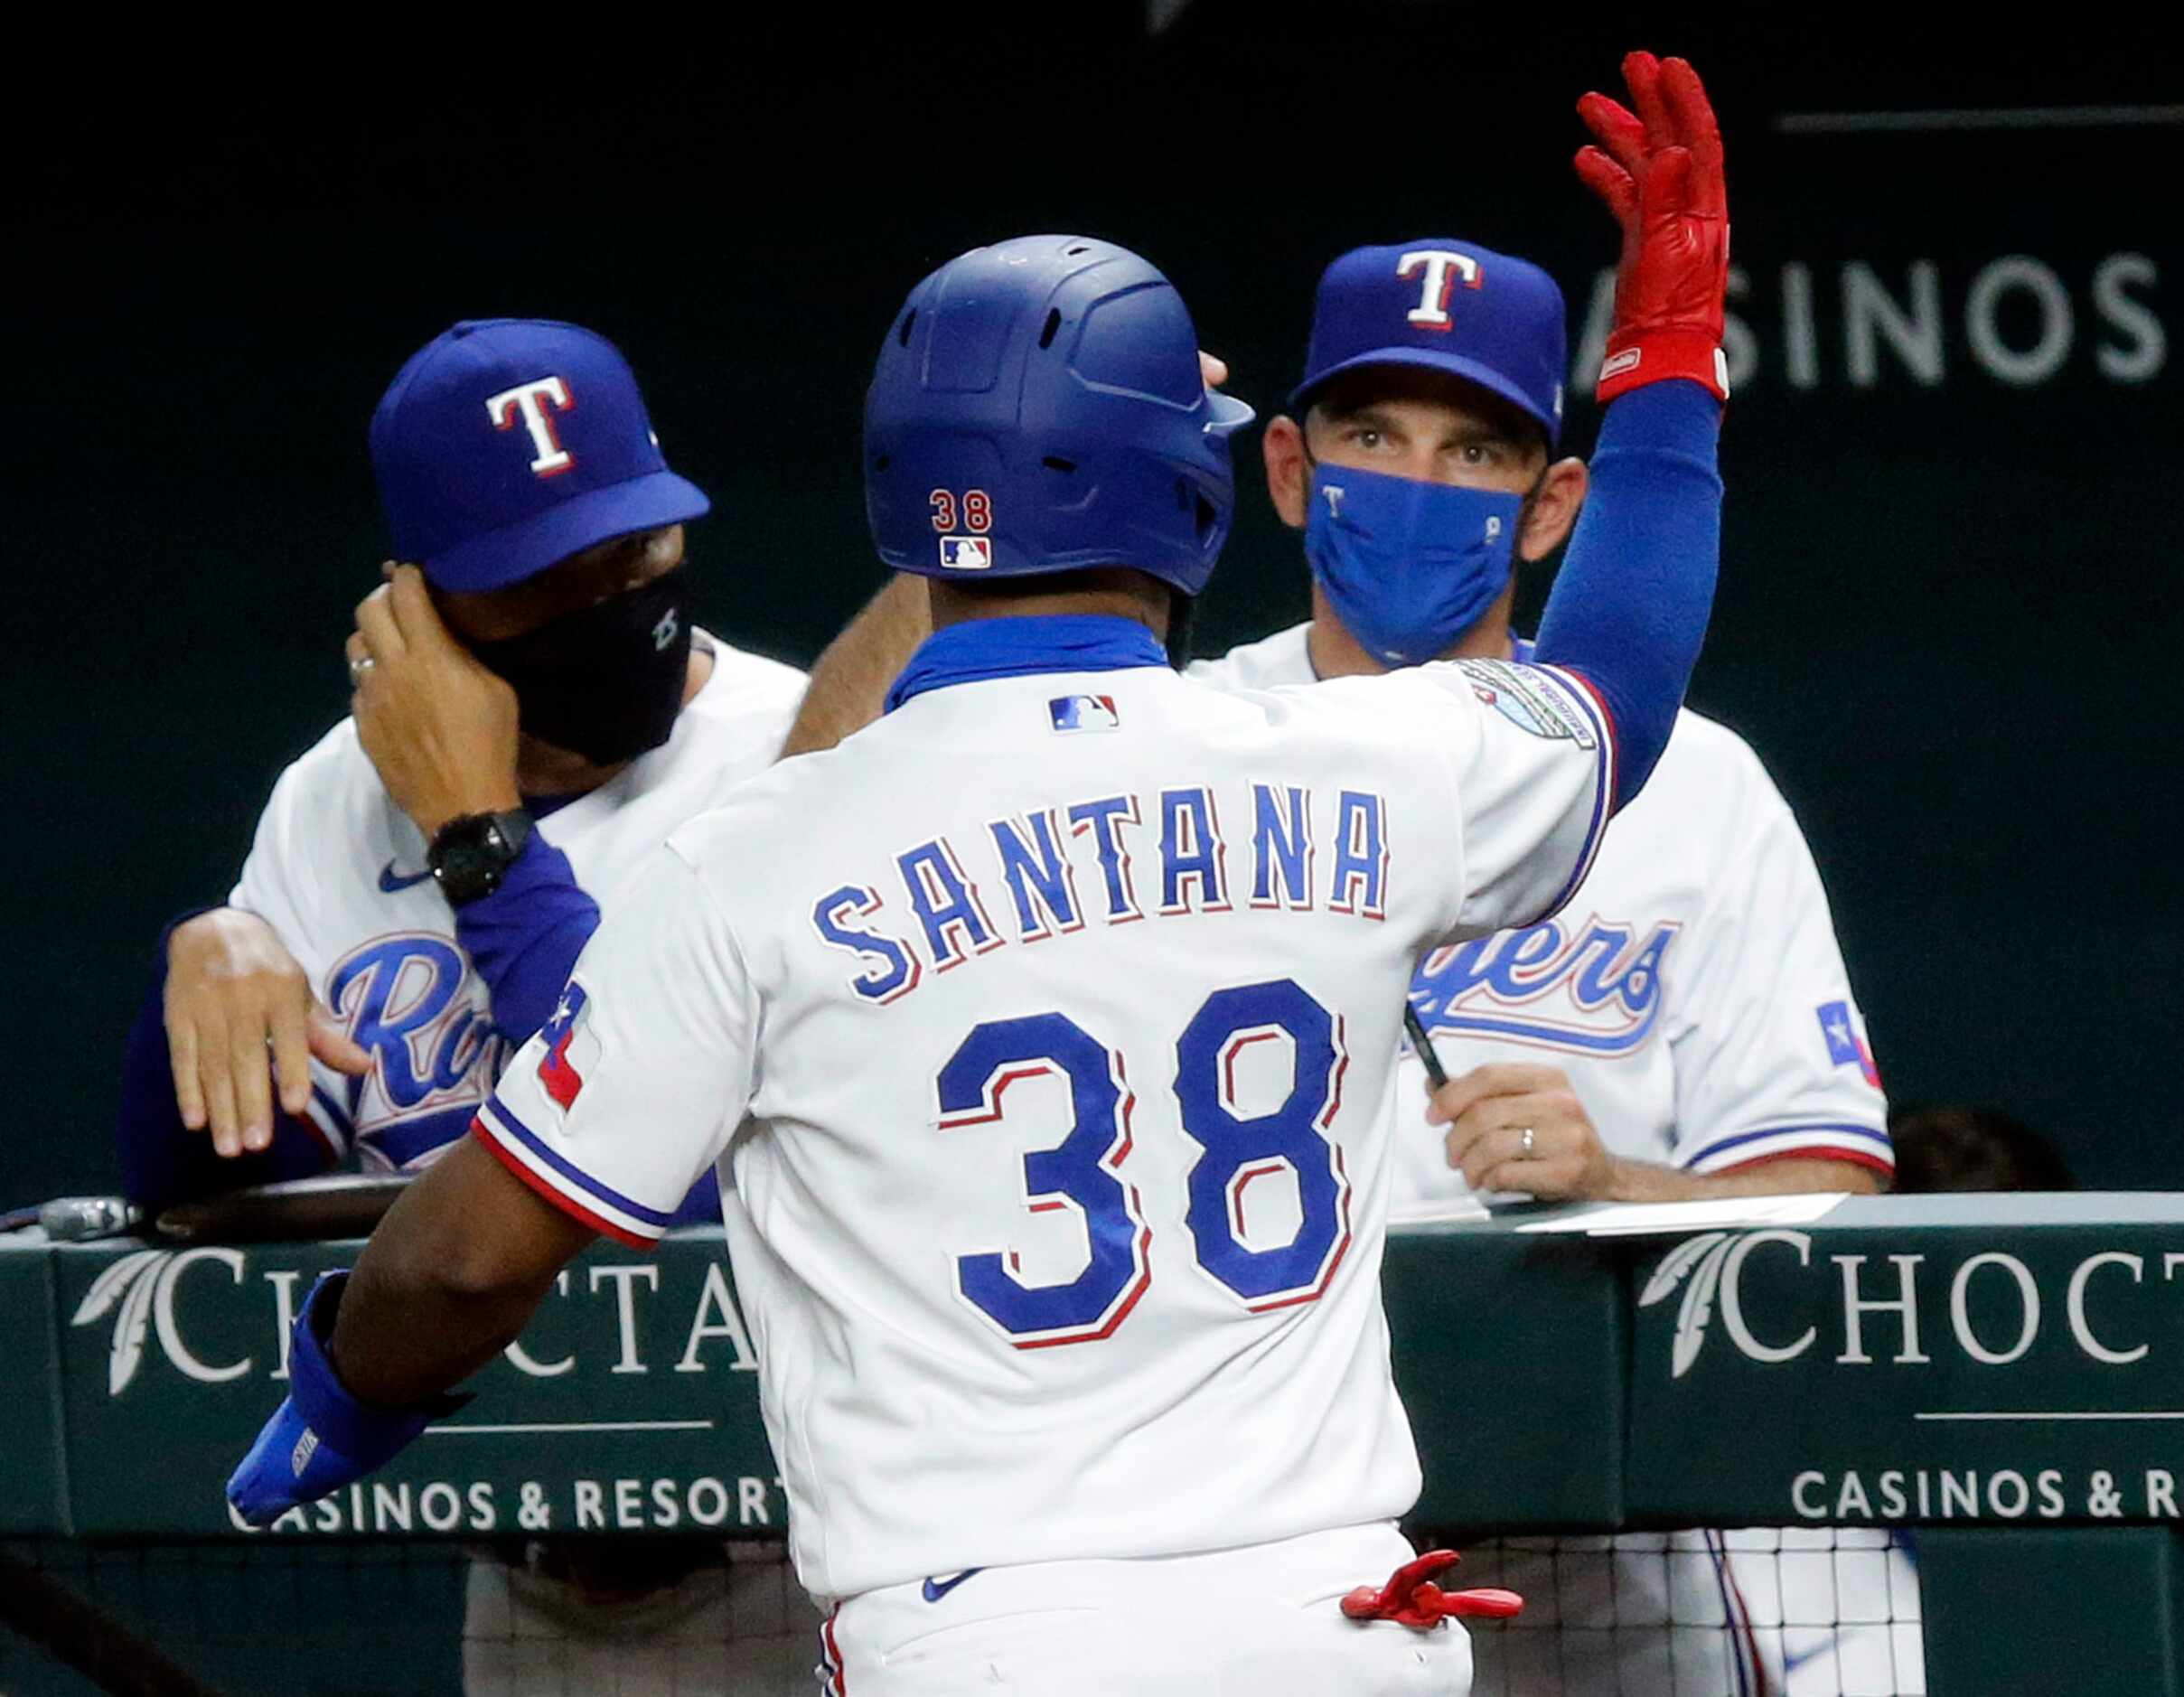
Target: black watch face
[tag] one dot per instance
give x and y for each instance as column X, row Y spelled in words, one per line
column 469, row 858
column 465, row 861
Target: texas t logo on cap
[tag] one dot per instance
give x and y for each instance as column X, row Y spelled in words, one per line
column 1441, row 267
column 504, row 445
column 1445, row 306
column 528, row 401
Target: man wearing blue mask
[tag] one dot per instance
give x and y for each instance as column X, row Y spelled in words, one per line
column 1418, row 459
column 1693, row 1037
column 1686, row 1029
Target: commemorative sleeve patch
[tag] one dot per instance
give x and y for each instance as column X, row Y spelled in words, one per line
column 1532, row 699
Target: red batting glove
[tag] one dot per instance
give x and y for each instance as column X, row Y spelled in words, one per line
column 1659, row 174
column 1412, row 1599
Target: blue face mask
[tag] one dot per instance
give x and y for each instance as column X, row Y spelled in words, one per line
column 1408, row 567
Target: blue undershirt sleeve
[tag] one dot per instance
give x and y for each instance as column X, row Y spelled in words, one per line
column 1629, row 607
column 525, row 937
column 702, row 1205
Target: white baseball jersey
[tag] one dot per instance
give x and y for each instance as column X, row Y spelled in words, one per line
column 1696, row 998
column 338, row 870
column 1694, row 993
column 1042, row 1029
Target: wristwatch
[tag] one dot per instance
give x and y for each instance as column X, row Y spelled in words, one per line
column 470, row 855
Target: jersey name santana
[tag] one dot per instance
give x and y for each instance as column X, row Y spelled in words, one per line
column 1041, row 1030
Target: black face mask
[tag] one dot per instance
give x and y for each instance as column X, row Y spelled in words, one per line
column 607, row 679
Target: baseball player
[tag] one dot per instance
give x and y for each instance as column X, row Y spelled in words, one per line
column 1692, row 1032
column 1052, row 1102
column 1686, row 1029
column 1689, row 1032
column 533, row 711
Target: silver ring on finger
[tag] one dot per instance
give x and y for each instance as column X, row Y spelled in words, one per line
column 1525, row 1139
column 358, row 666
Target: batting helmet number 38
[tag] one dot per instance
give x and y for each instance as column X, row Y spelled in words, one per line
column 977, row 510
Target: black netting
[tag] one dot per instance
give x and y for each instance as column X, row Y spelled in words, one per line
column 1808, row 1613
column 1821, row 1613
column 570, row 1619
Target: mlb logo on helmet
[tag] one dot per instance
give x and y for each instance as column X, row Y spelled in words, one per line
column 1447, row 305
column 966, row 553
column 1084, row 713
column 506, row 445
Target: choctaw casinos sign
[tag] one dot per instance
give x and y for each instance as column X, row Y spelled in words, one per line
column 1943, row 1372
column 630, row 1404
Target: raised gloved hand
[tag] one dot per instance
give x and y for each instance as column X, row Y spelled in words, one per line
column 322, row 1438
column 1659, row 174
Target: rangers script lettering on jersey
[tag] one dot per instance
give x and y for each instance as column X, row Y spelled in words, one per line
column 1044, row 1044
column 338, row 871
column 1695, row 994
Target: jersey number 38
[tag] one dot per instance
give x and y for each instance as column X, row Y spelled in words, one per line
column 1081, row 1171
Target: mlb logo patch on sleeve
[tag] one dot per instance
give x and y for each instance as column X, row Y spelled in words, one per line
column 966, row 553
column 1084, row 713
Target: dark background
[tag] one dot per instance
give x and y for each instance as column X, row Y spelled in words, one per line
column 1946, row 617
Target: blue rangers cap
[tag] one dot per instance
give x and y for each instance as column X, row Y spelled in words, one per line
column 506, row 445
column 1451, row 307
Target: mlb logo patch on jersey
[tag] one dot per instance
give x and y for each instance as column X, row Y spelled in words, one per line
column 1529, row 698
column 966, row 553
column 1846, row 1045
column 1084, row 713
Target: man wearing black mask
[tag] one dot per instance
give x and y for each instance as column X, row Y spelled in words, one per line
column 531, row 711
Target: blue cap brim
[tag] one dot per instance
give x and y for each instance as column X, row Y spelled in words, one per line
column 1456, row 365
column 523, row 549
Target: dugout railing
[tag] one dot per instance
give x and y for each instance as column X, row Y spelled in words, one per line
column 2002, row 1374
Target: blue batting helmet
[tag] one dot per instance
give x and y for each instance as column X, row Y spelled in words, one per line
column 1037, row 406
